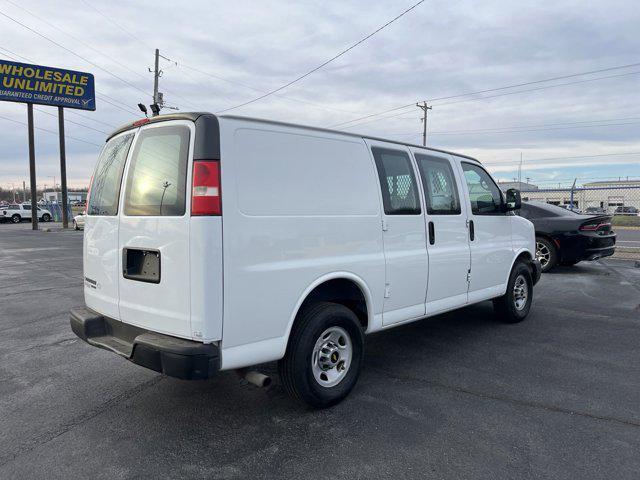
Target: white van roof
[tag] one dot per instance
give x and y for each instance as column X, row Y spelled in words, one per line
column 193, row 116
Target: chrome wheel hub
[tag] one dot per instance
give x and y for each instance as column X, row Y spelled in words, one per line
column 520, row 292
column 542, row 254
column 331, row 357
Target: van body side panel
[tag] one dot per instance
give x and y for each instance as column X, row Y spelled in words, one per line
column 297, row 205
column 101, row 265
column 101, row 257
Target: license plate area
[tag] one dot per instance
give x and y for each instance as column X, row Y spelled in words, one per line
column 141, row 264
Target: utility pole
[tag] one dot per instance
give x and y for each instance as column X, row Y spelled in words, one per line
column 156, row 79
column 423, row 106
column 520, row 171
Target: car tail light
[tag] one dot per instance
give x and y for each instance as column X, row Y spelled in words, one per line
column 206, row 197
column 594, row 226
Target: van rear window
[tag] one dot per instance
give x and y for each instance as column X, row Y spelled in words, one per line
column 156, row 182
column 105, row 189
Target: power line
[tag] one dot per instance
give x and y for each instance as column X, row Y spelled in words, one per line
column 117, row 25
column 374, row 115
column 292, row 99
column 540, row 88
column 107, row 124
column 50, row 131
column 563, row 158
column 71, row 121
column 562, row 77
column 73, row 53
column 534, row 128
column 496, row 89
column 315, row 69
column 80, row 41
column 488, row 97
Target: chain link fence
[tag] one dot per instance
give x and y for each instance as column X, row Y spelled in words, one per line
column 620, row 201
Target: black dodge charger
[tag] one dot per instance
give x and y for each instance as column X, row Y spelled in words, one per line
column 566, row 238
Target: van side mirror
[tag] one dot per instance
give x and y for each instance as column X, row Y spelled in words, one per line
column 513, row 200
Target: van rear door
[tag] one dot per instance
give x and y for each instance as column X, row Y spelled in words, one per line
column 154, row 224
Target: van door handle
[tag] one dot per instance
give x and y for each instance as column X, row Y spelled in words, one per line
column 472, row 233
column 432, row 234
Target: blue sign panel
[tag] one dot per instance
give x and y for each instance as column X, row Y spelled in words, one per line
column 21, row 82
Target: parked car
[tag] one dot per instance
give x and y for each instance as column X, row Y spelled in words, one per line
column 17, row 212
column 566, row 238
column 570, row 208
column 595, row 210
column 78, row 221
column 626, row 211
column 327, row 236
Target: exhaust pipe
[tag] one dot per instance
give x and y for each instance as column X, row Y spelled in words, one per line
column 258, row 379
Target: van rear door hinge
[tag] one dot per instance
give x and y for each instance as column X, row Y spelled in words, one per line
column 387, row 290
column 385, row 227
column 469, row 276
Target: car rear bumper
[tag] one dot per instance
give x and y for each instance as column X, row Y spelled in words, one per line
column 591, row 246
column 175, row 357
column 596, row 253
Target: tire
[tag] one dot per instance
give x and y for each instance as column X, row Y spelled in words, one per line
column 547, row 254
column 75, row 225
column 511, row 308
column 46, row 217
column 15, row 218
column 303, row 373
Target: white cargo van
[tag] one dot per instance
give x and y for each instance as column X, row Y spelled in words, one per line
column 220, row 242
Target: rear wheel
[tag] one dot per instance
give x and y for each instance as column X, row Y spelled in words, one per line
column 324, row 355
column 514, row 305
column 15, row 218
column 546, row 253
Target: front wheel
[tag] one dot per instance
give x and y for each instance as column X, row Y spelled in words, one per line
column 15, row 218
column 75, row 225
column 514, row 305
column 324, row 355
column 46, row 217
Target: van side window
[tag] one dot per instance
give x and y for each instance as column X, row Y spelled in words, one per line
column 399, row 189
column 439, row 185
column 156, row 182
column 484, row 194
column 105, row 188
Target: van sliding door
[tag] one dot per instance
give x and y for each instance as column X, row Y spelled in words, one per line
column 403, row 234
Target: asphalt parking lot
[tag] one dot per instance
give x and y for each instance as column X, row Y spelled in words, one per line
column 456, row 396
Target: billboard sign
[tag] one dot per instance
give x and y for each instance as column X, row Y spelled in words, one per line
column 21, row 82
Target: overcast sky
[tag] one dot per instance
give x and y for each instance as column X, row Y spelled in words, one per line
column 230, row 52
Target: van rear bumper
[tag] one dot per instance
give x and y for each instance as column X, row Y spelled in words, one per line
column 172, row 356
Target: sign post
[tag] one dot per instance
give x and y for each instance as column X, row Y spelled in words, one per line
column 32, row 167
column 63, row 168
column 37, row 84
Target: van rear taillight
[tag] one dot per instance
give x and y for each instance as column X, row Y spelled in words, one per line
column 205, row 191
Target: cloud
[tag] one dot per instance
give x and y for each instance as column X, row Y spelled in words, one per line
column 442, row 48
